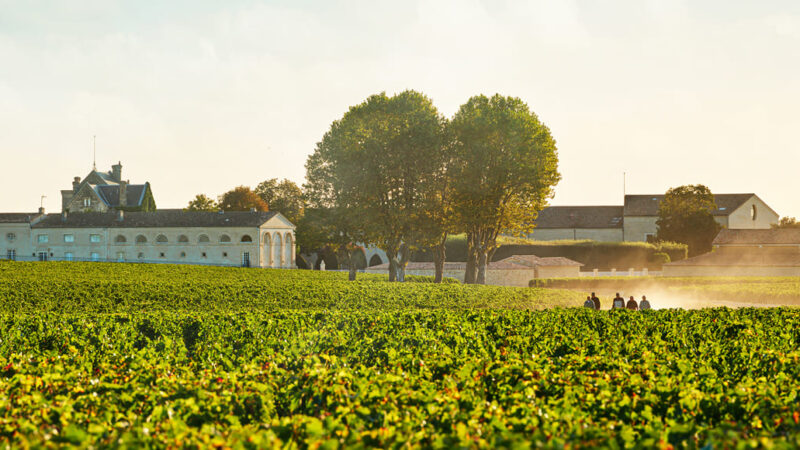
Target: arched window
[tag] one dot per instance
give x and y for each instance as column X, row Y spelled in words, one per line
column 224, row 238
column 246, row 238
column 288, row 256
column 202, row 239
column 140, row 239
column 161, row 239
column 120, row 239
column 754, row 212
column 183, row 239
column 375, row 261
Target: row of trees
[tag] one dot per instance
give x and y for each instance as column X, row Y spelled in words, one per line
column 284, row 196
column 396, row 173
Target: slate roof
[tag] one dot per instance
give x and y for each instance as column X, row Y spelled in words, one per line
column 758, row 257
column 647, row 205
column 774, row 236
column 580, row 217
column 109, row 193
column 156, row 219
column 17, row 217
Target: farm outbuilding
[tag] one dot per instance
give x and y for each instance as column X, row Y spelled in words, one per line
column 763, row 253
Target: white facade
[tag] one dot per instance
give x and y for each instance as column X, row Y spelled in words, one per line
column 270, row 244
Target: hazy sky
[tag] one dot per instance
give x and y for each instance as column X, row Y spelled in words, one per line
column 201, row 96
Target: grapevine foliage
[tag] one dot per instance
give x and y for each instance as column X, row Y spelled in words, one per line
column 92, row 369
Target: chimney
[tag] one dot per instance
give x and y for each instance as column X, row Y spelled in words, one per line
column 75, row 183
column 41, row 210
column 123, row 193
column 116, row 171
column 120, row 215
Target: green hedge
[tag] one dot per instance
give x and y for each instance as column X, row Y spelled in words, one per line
column 593, row 254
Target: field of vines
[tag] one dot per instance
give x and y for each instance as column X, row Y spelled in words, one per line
column 134, row 355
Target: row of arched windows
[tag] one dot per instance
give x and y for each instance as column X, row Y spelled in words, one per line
column 182, row 239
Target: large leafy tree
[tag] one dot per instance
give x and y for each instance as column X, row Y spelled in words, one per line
column 377, row 160
column 787, row 222
column 241, row 198
column 329, row 221
column 284, row 196
column 505, row 168
column 686, row 216
column 201, row 202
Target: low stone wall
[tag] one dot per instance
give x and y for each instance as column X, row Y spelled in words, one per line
column 498, row 277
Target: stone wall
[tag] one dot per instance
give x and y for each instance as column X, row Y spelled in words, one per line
column 558, row 272
column 595, row 234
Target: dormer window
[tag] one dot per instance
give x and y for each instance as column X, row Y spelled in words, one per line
column 87, row 202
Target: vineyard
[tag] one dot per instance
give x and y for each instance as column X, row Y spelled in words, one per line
column 135, row 355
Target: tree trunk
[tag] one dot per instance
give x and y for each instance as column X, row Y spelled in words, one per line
column 472, row 260
column 352, row 272
column 482, row 261
column 392, row 265
column 439, row 255
column 405, row 256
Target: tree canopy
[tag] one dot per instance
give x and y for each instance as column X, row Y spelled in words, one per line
column 201, row 202
column 241, row 198
column 376, row 162
column 787, row 222
column 685, row 216
column 284, row 197
column 505, row 168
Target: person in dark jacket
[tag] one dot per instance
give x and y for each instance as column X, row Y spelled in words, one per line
column 596, row 302
column 644, row 304
column 619, row 302
column 588, row 303
column 632, row 304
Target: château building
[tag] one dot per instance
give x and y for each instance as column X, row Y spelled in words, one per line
column 105, row 218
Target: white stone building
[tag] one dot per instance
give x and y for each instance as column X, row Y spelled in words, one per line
column 250, row 239
column 106, row 218
column 636, row 219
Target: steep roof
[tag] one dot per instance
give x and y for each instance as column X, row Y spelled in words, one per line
column 774, row 236
column 109, row 193
column 647, row 205
column 756, row 257
column 17, row 217
column 156, row 219
column 580, row 217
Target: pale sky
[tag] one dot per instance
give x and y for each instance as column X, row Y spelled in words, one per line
column 202, row 96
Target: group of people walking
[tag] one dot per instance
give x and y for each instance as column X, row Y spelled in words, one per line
column 618, row 303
